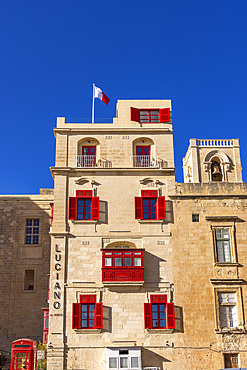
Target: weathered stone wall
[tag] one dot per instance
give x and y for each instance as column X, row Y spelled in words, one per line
column 194, row 265
column 21, row 314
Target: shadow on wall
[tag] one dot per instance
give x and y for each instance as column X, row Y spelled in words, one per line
column 103, row 212
column 152, row 268
column 169, row 212
column 107, row 319
column 152, row 359
column 179, row 323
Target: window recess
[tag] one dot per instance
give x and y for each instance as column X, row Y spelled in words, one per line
column 150, row 206
column 224, row 244
column 228, row 310
column 87, row 314
column 231, row 360
column 228, row 306
column 158, row 313
column 150, row 115
column 88, row 157
column 124, row 358
column 84, row 206
column 29, row 280
column 32, row 231
column 120, row 265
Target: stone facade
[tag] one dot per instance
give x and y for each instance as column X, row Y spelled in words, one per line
column 21, row 301
column 106, row 177
column 179, row 258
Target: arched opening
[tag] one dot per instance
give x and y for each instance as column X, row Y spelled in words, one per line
column 88, row 152
column 121, row 245
column 144, row 153
column 216, row 172
column 217, row 164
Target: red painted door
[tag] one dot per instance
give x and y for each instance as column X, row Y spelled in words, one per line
column 142, row 156
column 88, row 156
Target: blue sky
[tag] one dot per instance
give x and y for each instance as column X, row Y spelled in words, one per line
column 193, row 52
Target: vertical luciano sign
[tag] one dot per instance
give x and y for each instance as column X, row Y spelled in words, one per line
column 57, row 286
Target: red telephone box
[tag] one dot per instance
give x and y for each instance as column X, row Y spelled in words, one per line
column 23, row 354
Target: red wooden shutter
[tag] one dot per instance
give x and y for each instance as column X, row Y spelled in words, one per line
column 88, row 298
column 149, row 193
column 165, row 115
column 148, row 315
column 135, row 114
column 98, row 316
column 76, row 316
column 95, row 208
column 84, row 193
column 161, row 208
column 72, row 208
column 170, row 316
column 138, row 208
column 158, row 298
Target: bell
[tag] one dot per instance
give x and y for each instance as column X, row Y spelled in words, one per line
column 216, row 169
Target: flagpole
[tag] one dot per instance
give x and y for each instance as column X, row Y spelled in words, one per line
column 93, row 106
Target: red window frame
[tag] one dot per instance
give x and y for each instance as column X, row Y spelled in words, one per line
column 143, row 150
column 45, row 324
column 121, row 271
column 83, row 195
column 148, row 195
column 91, row 160
column 122, row 255
column 142, row 158
column 88, row 301
column 164, row 115
column 52, row 211
column 158, row 301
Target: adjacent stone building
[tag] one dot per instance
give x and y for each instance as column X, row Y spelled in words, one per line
column 24, row 265
column 145, row 273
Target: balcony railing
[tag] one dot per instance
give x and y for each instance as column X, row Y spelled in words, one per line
column 85, row 161
column 144, row 161
column 215, row 142
column 93, row 161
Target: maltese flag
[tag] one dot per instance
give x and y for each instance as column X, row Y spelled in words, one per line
column 98, row 93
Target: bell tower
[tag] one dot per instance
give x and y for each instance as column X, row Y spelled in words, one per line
column 214, row 160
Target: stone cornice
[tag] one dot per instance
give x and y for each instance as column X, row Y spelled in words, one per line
column 226, row 281
column 219, row 218
column 113, row 130
column 112, row 171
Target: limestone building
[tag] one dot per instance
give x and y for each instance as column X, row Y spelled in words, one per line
column 145, row 273
column 24, row 265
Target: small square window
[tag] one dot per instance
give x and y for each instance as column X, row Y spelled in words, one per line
column 134, row 362
column 107, row 261
column 113, row 363
column 195, row 218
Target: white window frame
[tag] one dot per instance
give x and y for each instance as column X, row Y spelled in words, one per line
column 239, row 308
column 116, row 353
column 228, row 308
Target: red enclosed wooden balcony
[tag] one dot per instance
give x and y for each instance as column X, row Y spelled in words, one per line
column 122, row 267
